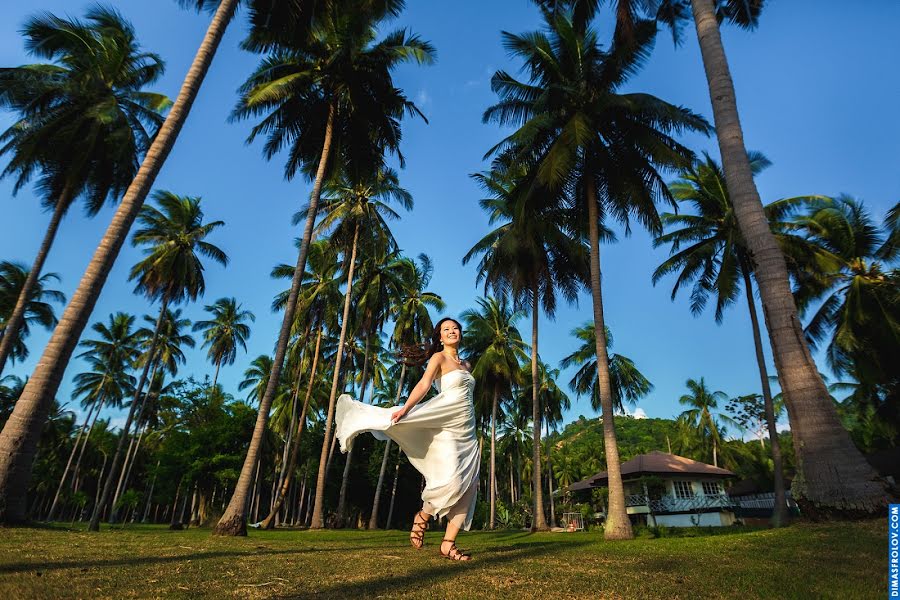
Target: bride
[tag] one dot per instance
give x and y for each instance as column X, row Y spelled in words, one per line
column 437, row 436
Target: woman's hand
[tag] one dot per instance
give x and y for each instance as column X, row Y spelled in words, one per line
column 397, row 415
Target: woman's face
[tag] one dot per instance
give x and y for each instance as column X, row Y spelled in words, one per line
column 450, row 333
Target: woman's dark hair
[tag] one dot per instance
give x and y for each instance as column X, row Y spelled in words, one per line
column 436, row 345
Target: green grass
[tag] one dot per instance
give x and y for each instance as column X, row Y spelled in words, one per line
column 843, row 560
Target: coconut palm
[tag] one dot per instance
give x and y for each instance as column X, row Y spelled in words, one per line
column 700, row 414
column 412, row 323
column 627, row 383
column 329, row 99
column 836, row 478
column 532, row 256
column 256, row 377
column 708, row 250
column 110, row 357
column 84, row 122
column 19, row 444
column 355, row 202
column 224, row 332
column 492, row 336
column 10, row 389
column 174, row 240
column 38, row 309
column 579, row 134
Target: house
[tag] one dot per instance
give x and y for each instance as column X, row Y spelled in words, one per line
column 669, row 490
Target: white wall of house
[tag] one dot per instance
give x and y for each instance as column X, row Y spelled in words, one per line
column 708, row 519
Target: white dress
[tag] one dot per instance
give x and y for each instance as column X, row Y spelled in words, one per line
column 438, row 437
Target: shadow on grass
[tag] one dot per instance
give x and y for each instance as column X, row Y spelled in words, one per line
column 394, row 585
column 145, row 560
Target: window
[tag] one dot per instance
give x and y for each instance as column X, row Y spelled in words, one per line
column 712, row 488
column 684, row 489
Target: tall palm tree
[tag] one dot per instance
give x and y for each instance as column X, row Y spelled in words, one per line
column 715, row 257
column 580, row 134
column 355, row 202
column 533, row 256
column 412, row 323
column 854, row 289
column 18, row 443
column 256, row 377
column 38, row 309
column 84, row 121
column 225, row 332
column 329, row 99
column 627, row 383
column 700, row 416
column 833, row 477
column 174, row 239
column 110, row 357
column 492, row 336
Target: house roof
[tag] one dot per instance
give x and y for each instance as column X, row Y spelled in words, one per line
column 655, row 463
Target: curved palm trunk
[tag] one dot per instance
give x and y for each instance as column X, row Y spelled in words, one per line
column 288, row 444
column 18, row 441
column 618, row 527
column 540, row 521
column 269, row 521
column 216, row 374
column 84, row 446
column 17, row 318
column 62, row 480
column 779, row 514
column 234, row 520
column 376, row 501
column 493, row 482
column 318, row 521
column 135, row 444
column 833, row 479
column 117, row 457
column 150, row 494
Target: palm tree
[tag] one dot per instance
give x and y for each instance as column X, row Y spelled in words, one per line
column 627, row 383
column 329, row 94
column 492, row 336
column 38, row 309
column 717, row 260
column 110, row 357
column 412, row 323
column 84, row 121
column 531, row 256
column 579, row 134
column 226, row 331
column 701, row 403
column 856, row 292
column 354, row 204
column 834, row 478
column 18, row 443
column 256, row 377
column 174, row 236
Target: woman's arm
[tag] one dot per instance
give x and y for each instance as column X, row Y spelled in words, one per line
column 418, row 392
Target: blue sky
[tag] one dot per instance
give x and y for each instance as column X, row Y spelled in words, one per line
column 815, row 89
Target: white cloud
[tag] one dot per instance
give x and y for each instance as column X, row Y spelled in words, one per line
column 423, row 98
column 639, row 414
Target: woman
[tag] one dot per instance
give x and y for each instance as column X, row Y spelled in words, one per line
column 438, row 437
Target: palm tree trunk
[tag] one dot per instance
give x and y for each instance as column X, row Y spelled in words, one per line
column 269, row 521
column 779, row 515
column 376, row 501
column 617, row 527
column 100, row 477
column 216, row 374
column 19, row 439
column 75, row 472
column 234, row 521
column 293, row 424
column 107, row 487
column 390, row 516
column 150, row 494
column 17, row 317
column 125, row 475
column 342, row 497
column 65, row 474
column 493, row 482
column 833, row 479
column 318, row 521
column 174, row 520
column 539, row 523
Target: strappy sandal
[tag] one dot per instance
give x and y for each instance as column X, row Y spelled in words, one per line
column 417, row 535
column 455, row 553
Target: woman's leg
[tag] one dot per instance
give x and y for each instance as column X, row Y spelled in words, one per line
column 456, row 518
column 420, row 524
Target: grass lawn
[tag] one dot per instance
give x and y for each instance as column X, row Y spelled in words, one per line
column 844, row 560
